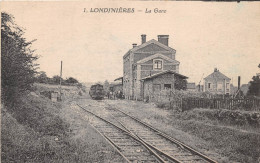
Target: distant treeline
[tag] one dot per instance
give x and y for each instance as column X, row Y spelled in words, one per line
column 43, row 78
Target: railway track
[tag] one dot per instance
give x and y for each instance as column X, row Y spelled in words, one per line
column 160, row 140
column 129, row 146
column 137, row 141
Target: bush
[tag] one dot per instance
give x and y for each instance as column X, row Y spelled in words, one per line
column 80, row 93
column 39, row 114
column 160, row 104
column 146, row 99
column 163, row 104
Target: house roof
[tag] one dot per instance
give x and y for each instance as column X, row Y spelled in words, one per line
column 160, row 56
column 120, row 78
column 191, row 86
column 153, row 41
column 164, row 72
column 217, row 75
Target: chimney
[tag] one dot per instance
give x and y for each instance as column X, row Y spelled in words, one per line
column 163, row 39
column 134, row 45
column 215, row 70
column 143, row 38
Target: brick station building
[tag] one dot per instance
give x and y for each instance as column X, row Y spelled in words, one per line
column 149, row 67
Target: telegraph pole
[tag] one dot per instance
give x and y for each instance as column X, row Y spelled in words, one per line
column 60, row 78
column 238, row 83
column 200, row 81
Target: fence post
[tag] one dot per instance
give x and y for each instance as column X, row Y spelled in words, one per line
column 181, row 105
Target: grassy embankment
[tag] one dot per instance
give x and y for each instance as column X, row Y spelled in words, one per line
column 223, row 135
column 38, row 130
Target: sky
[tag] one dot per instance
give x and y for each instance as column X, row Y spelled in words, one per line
column 205, row 35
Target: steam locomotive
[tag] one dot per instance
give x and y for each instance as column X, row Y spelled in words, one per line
column 97, row 92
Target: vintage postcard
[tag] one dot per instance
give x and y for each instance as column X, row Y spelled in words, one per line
column 130, row 81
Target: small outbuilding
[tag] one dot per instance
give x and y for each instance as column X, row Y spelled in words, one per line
column 166, row 80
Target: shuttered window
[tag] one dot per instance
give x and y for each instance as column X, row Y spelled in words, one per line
column 157, row 64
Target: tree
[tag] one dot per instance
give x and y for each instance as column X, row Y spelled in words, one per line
column 56, row 79
column 180, row 84
column 106, row 86
column 17, row 60
column 254, row 86
column 71, row 80
column 42, row 78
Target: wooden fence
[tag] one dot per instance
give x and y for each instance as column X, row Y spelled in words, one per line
column 231, row 104
column 168, row 99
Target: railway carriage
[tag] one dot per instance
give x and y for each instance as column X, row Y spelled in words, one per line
column 97, row 92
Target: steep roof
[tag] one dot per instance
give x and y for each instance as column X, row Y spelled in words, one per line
column 155, row 56
column 120, row 78
column 217, row 75
column 153, row 41
column 164, row 72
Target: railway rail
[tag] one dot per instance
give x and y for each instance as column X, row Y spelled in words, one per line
column 137, row 141
column 159, row 139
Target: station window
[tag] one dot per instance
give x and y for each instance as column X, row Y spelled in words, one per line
column 220, row 86
column 228, row 87
column 167, row 86
column 157, row 64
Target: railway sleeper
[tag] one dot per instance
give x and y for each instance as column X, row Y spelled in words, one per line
column 169, row 150
column 109, row 133
column 192, row 161
column 134, row 149
column 187, row 158
column 157, row 142
column 128, row 154
column 148, row 134
column 142, row 158
column 128, row 144
column 118, row 138
column 118, row 141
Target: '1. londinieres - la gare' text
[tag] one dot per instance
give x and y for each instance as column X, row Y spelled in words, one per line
column 123, row 10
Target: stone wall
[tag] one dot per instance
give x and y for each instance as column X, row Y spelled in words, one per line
column 158, row 81
column 127, row 75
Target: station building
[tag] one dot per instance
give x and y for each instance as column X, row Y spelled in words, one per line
column 150, row 67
